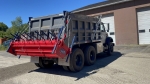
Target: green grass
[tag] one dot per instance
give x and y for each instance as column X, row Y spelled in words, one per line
column 3, row 48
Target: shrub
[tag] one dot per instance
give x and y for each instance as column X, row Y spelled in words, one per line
column 2, row 47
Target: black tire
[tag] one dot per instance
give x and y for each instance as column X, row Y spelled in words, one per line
column 90, row 55
column 44, row 63
column 76, row 60
column 110, row 49
column 66, row 68
column 37, row 64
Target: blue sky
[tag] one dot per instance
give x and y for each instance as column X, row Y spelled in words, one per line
column 10, row 9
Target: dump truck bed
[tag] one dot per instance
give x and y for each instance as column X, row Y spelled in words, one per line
column 81, row 26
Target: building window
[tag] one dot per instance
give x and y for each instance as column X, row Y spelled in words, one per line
column 142, row 31
column 112, row 33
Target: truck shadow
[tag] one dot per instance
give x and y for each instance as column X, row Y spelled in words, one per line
column 102, row 61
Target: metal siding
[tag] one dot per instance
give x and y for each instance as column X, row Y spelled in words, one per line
column 109, row 18
column 144, row 24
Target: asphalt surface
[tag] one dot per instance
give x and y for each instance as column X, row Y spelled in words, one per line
column 123, row 67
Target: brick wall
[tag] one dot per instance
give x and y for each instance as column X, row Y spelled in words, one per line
column 2, row 40
column 125, row 17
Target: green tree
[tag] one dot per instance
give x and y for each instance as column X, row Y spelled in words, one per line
column 17, row 26
column 17, row 22
column 2, row 34
column 8, row 33
column 3, row 27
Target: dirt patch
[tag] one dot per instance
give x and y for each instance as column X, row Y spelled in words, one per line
column 137, row 55
column 136, row 48
column 146, row 50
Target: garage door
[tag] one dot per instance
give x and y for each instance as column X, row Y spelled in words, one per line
column 109, row 18
column 143, row 15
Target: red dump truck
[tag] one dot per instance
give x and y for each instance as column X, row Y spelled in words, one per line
column 66, row 39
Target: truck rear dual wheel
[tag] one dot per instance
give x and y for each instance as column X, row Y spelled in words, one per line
column 76, row 60
column 44, row 63
column 37, row 64
column 90, row 55
column 66, row 68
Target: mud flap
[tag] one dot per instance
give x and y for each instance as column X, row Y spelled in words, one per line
column 62, row 61
column 99, row 47
column 34, row 59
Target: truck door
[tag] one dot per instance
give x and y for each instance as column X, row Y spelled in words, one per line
column 104, row 34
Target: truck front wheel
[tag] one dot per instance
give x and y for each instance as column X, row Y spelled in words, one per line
column 110, row 48
column 76, row 60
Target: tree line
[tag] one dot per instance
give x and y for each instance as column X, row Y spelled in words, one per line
column 17, row 25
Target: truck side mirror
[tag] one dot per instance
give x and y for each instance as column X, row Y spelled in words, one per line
column 108, row 27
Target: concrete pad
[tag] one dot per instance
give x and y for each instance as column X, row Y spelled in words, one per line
column 7, row 60
column 131, row 68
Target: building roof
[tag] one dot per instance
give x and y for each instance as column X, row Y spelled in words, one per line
column 100, row 4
